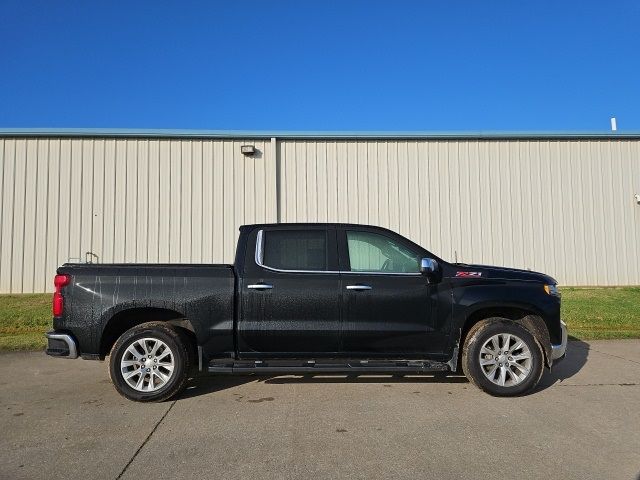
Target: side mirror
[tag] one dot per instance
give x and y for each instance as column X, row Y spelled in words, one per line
column 428, row 267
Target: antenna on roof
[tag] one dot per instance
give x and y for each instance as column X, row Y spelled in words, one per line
column 614, row 124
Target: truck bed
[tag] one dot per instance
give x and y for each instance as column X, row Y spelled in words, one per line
column 104, row 293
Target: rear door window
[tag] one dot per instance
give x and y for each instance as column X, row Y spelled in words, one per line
column 295, row 249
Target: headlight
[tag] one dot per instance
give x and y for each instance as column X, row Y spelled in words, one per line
column 552, row 290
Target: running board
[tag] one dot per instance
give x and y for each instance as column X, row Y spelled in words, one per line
column 325, row 366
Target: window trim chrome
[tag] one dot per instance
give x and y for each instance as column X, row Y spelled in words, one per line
column 404, row 274
column 259, row 248
column 259, row 259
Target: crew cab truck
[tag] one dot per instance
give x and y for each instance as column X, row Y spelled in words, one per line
column 309, row 298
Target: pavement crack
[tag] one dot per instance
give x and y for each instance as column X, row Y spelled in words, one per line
column 616, row 356
column 610, row 354
column 598, row 384
column 153, row 430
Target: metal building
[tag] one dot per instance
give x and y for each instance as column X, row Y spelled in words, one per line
column 564, row 204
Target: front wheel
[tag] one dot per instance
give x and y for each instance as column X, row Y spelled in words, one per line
column 502, row 358
column 149, row 363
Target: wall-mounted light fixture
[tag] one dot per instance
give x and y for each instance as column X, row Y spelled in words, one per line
column 637, row 197
column 248, row 150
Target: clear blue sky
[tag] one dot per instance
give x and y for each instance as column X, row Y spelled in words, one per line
column 321, row 65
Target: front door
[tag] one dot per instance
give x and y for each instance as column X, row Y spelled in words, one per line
column 290, row 294
column 389, row 309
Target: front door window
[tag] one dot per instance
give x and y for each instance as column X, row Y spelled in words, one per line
column 372, row 252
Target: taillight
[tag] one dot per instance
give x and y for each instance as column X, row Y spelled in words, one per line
column 58, row 302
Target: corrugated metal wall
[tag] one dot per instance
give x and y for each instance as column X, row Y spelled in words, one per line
column 132, row 200
column 565, row 207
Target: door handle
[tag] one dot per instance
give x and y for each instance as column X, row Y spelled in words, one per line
column 260, row 286
column 358, row 287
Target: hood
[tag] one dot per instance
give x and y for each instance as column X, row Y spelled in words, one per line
column 463, row 270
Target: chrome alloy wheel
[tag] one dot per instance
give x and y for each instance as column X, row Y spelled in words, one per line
column 147, row 364
column 505, row 360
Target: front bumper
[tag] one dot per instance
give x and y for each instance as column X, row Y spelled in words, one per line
column 60, row 344
column 558, row 352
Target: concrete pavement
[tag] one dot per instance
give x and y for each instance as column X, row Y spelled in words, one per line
column 63, row 419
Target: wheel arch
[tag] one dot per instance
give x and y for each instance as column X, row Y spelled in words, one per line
column 525, row 315
column 123, row 320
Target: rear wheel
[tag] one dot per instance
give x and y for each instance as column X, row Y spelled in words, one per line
column 150, row 363
column 502, row 358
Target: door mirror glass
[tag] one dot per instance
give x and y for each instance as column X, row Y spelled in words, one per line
column 428, row 267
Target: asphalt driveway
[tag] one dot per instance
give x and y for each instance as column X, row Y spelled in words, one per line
column 63, row 419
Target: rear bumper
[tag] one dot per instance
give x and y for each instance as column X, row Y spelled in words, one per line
column 61, row 344
column 558, row 352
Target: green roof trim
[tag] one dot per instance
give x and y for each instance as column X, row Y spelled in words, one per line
column 252, row 134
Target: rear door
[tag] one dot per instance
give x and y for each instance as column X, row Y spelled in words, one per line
column 389, row 309
column 290, row 293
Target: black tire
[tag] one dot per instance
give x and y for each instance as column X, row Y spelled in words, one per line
column 481, row 333
column 182, row 359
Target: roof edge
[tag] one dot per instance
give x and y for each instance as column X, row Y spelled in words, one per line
column 253, row 134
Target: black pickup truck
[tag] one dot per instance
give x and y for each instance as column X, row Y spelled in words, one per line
column 307, row 298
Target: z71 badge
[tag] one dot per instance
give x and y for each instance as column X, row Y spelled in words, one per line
column 468, row 274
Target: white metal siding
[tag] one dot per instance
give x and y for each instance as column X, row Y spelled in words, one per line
column 564, row 207
column 561, row 207
column 133, row 200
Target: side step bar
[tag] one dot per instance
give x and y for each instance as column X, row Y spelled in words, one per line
column 325, row 366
